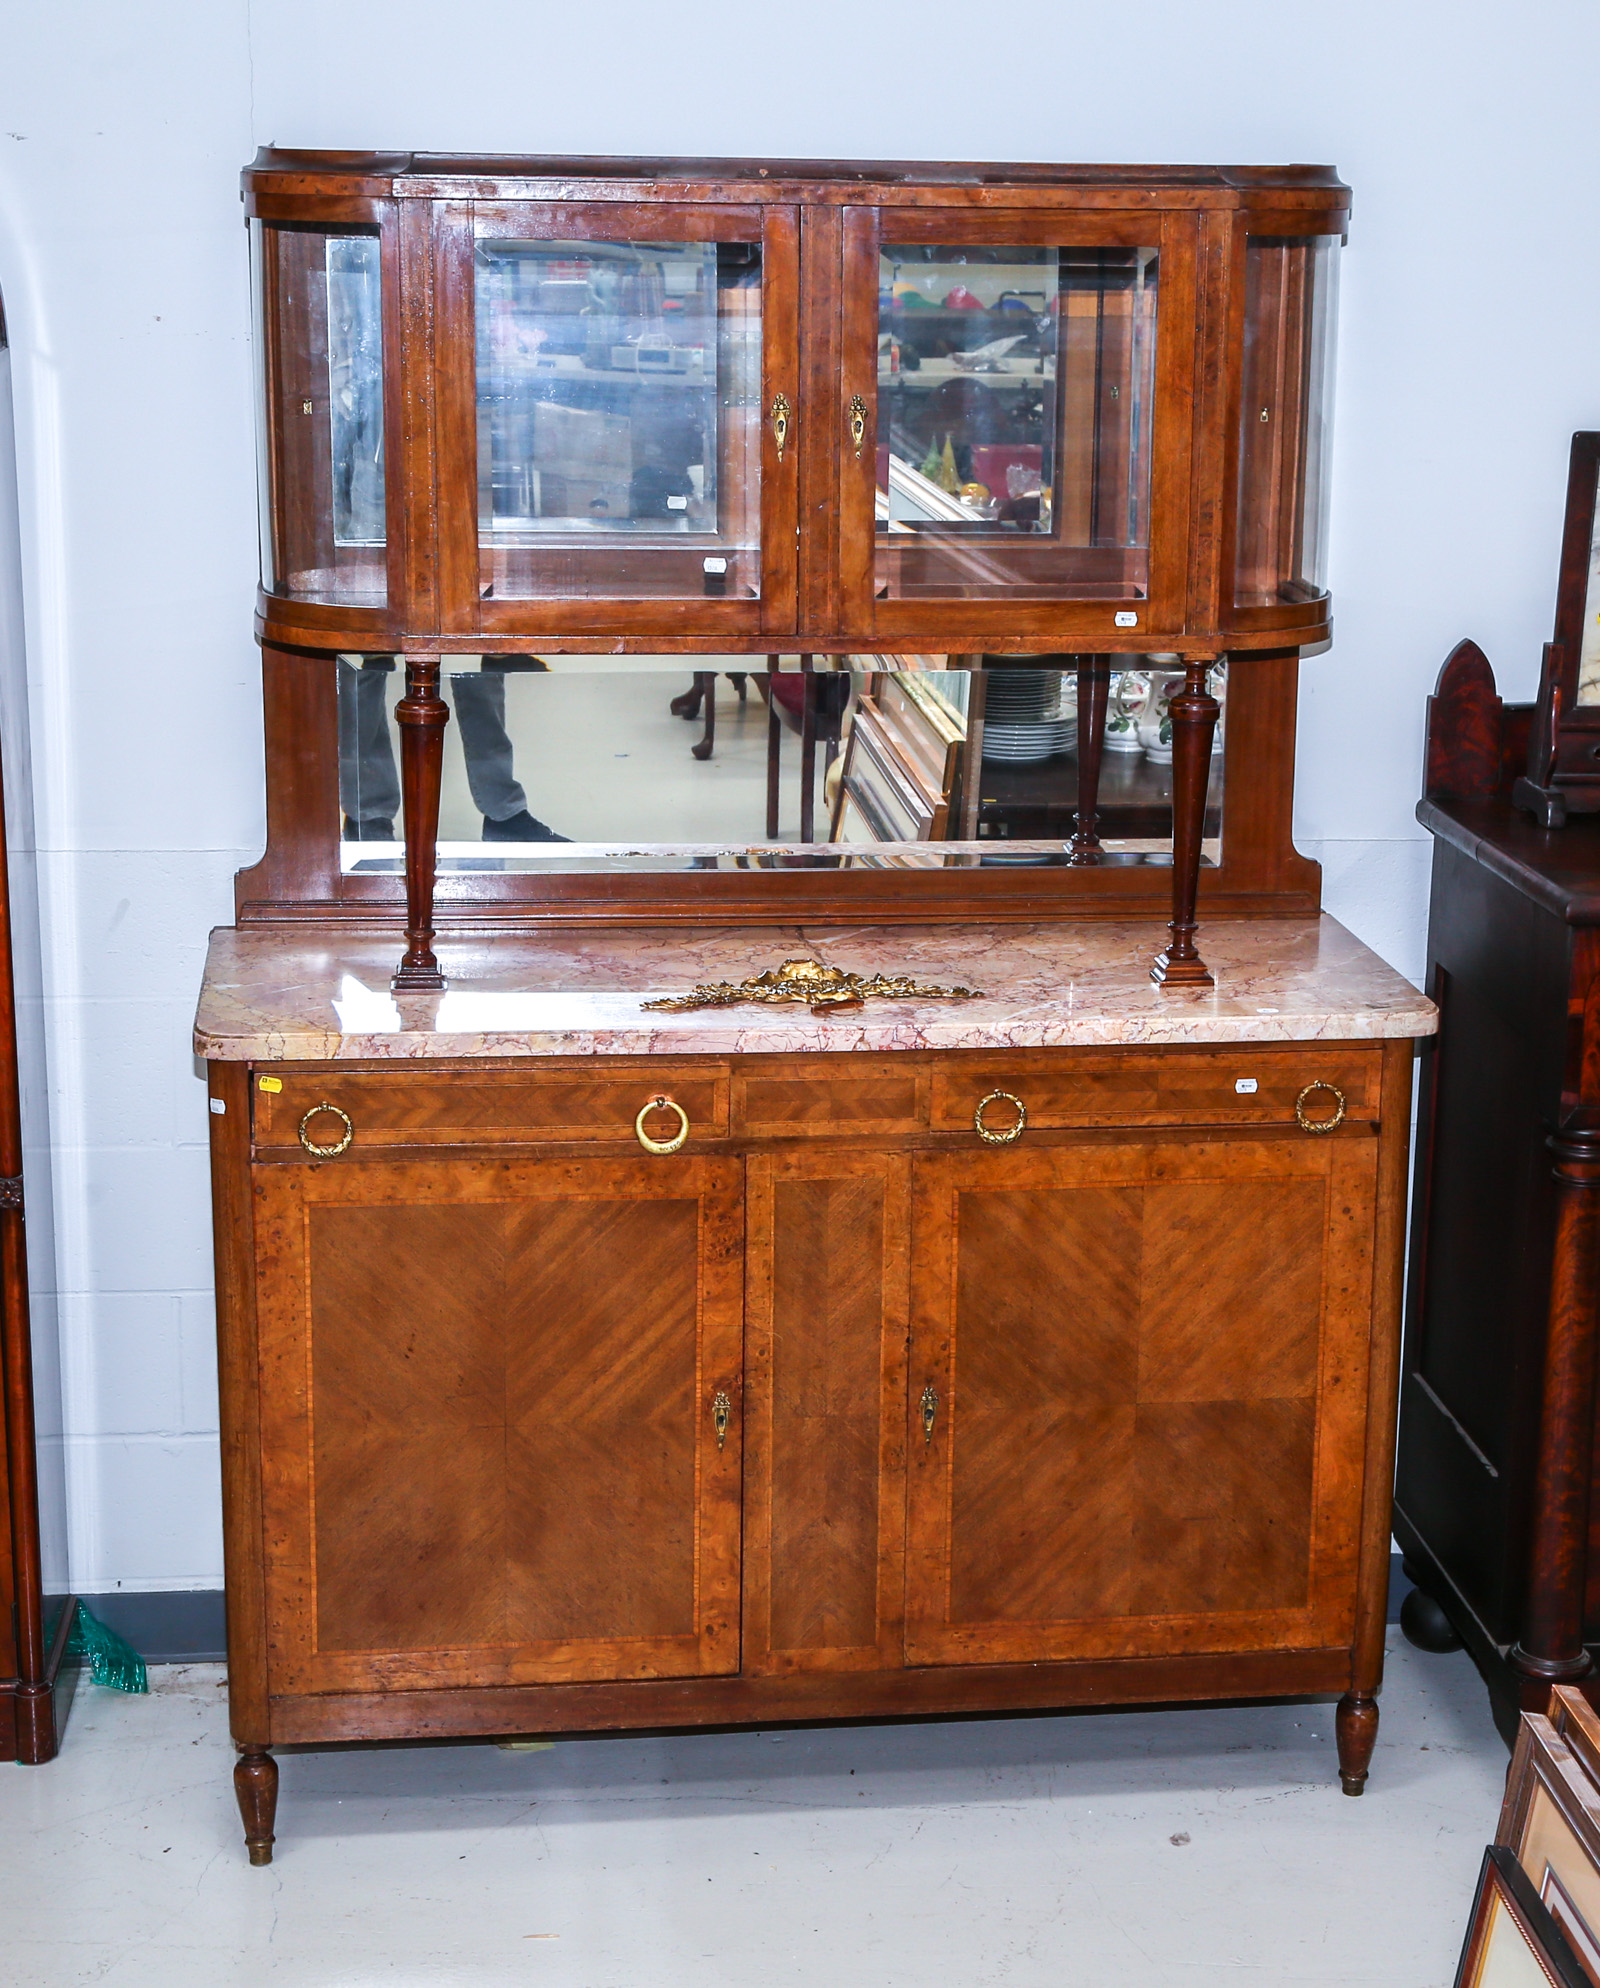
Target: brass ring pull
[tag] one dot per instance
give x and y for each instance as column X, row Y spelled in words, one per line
column 858, row 424
column 661, row 1145
column 1319, row 1124
column 1013, row 1133
column 326, row 1152
column 781, row 414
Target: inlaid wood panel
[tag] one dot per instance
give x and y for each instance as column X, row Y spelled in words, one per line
column 781, row 1097
column 411, row 1108
column 488, row 1414
column 825, row 1348
column 1187, row 1086
column 1150, row 1361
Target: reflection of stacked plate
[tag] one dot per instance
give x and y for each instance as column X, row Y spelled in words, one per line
column 1028, row 715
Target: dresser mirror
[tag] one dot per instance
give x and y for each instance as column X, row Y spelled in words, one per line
column 569, row 765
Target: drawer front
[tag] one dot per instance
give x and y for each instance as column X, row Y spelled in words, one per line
column 1242, row 1086
column 489, row 1108
column 868, row 1096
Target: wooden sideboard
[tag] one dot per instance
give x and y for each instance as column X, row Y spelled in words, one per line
column 839, row 1409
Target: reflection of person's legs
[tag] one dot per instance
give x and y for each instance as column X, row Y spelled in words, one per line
column 480, row 700
column 369, row 785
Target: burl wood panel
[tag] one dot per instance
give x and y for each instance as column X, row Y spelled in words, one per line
column 488, row 1420
column 1133, row 1344
column 825, row 1385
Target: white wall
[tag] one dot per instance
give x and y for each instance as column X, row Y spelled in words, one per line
column 1467, row 355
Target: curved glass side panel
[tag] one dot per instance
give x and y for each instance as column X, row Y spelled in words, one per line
column 1285, row 418
column 619, row 443
column 1015, row 397
column 666, row 763
column 319, row 297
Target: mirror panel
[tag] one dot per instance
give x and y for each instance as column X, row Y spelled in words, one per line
column 573, row 764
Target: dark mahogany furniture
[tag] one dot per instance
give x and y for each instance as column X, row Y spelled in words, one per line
column 862, row 1398
column 1498, row 1408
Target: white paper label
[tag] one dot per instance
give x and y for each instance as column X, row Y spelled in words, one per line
column 677, row 503
column 219, row 1106
column 716, row 565
column 1126, row 620
column 1245, row 1086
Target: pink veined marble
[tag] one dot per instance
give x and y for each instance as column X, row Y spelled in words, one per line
column 313, row 994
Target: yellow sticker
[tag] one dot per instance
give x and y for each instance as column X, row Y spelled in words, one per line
column 269, row 1083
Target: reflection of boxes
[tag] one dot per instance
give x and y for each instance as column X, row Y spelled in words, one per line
column 657, row 357
column 581, row 497
column 584, row 460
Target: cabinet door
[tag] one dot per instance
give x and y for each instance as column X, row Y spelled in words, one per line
column 489, row 1420
column 825, row 1357
column 611, row 380
column 1014, row 426
column 1138, row 1385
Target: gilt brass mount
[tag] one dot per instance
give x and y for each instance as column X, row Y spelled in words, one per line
column 821, row 988
column 721, row 1414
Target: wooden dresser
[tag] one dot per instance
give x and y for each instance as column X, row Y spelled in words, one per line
column 837, row 1410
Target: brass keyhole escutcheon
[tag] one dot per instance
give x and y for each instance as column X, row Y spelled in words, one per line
column 310, row 1144
column 1319, row 1124
column 721, row 1414
column 930, row 1412
column 661, row 1145
column 781, row 415
column 858, row 424
column 988, row 1133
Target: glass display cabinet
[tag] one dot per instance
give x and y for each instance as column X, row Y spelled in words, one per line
column 861, row 601
column 808, row 415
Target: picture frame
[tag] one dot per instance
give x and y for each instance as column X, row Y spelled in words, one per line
column 1513, row 1941
column 1550, row 1821
column 1563, row 775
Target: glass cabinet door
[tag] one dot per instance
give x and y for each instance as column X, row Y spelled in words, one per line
column 320, row 295
column 1005, row 376
column 625, row 445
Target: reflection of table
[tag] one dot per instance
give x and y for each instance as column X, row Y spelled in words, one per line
column 1042, row 799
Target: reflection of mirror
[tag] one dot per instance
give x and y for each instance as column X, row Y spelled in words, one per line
column 665, row 762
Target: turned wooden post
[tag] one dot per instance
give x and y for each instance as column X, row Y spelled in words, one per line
column 1194, row 713
column 1094, row 685
column 255, row 1783
column 808, row 752
column 423, row 715
column 1551, row 1649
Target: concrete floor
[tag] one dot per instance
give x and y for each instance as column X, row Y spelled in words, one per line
column 1194, row 1847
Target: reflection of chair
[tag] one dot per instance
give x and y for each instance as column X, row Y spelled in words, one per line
column 704, row 691
column 811, row 704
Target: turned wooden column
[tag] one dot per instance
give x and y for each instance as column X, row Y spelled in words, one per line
column 422, row 714
column 1551, row 1648
column 1094, row 685
column 808, row 752
column 255, row 1784
column 1194, row 712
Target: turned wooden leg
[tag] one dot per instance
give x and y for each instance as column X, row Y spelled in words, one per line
column 706, row 683
column 1094, row 684
column 255, row 1782
column 1551, row 1650
column 1355, row 1726
column 774, row 741
column 1194, row 721
column 737, row 679
column 423, row 715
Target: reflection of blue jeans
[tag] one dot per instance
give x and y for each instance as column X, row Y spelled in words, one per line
column 369, row 784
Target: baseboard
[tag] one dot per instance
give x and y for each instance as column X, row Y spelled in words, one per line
column 187, row 1625
column 180, row 1626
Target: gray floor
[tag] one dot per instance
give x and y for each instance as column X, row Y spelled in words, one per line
column 1180, row 1847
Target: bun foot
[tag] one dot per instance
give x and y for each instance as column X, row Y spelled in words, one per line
column 1355, row 1727
column 1425, row 1625
column 255, row 1782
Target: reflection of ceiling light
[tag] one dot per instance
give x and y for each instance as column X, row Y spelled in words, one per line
column 364, row 1010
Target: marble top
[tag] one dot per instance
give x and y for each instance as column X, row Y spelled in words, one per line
column 313, row 993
